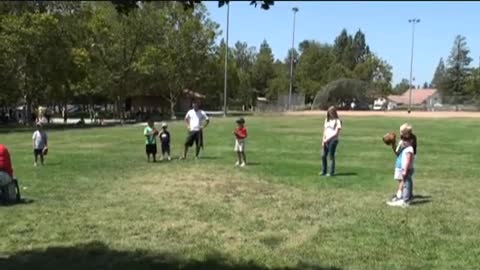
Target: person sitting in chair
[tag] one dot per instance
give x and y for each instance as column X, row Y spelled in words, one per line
column 6, row 169
column 6, row 176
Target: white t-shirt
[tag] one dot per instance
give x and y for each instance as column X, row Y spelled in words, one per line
column 331, row 127
column 195, row 119
column 39, row 139
column 405, row 151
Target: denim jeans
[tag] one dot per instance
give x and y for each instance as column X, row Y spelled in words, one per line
column 329, row 150
column 408, row 187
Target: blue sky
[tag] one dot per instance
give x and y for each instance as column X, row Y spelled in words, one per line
column 385, row 25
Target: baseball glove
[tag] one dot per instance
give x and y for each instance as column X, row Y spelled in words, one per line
column 389, row 138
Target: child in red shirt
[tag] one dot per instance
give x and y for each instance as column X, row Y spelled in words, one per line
column 5, row 161
column 240, row 137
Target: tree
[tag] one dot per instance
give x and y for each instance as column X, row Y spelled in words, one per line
column 25, row 39
column 179, row 55
column 263, row 69
column 313, row 66
column 439, row 75
column 401, row 87
column 473, row 85
column 457, row 71
column 280, row 83
column 361, row 51
column 117, row 37
column 245, row 58
column 191, row 3
column 343, row 51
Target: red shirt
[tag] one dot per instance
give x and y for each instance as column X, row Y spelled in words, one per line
column 241, row 132
column 5, row 162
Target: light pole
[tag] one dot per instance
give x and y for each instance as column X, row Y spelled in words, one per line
column 295, row 10
column 413, row 22
column 226, row 65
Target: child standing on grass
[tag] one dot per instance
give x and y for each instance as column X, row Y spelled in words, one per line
column 405, row 130
column 165, row 139
column 150, row 134
column 40, row 144
column 240, row 138
column 407, row 157
column 331, row 133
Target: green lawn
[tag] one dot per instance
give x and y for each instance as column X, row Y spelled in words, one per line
column 99, row 205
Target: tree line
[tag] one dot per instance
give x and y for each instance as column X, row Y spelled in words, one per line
column 64, row 52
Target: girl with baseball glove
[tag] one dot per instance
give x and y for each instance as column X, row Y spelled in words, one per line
column 407, row 140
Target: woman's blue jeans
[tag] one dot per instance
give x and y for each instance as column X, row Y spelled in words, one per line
column 329, row 151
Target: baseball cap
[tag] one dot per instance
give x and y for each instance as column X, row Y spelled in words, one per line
column 241, row 120
column 164, row 124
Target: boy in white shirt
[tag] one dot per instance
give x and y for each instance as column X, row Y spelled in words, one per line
column 40, row 144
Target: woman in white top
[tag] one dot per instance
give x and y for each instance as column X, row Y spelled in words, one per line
column 331, row 133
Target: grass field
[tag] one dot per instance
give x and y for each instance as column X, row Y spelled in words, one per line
column 98, row 204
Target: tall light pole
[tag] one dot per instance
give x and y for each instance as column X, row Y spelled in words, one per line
column 413, row 22
column 295, row 10
column 226, row 65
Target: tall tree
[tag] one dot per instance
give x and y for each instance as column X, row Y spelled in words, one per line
column 458, row 70
column 25, row 39
column 179, row 57
column 439, row 75
column 117, row 38
column 360, row 48
column 245, row 58
column 343, row 50
column 263, row 69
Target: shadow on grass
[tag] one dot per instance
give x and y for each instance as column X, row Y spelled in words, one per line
column 22, row 202
column 209, row 158
column 419, row 196
column 254, row 163
column 420, row 199
column 50, row 164
column 96, row 255
column 346, row 174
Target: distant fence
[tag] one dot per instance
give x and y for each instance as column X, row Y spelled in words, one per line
column 459, row 103
column 281, row 104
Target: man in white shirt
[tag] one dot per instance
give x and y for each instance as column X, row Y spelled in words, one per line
column 196, row 121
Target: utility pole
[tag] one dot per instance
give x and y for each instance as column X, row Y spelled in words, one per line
column 295, row 10
column 226, row 65
column 413, row 22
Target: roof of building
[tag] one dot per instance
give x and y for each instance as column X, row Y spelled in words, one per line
column 419, row 96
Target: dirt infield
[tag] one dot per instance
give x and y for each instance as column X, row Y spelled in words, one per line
column 393, row 114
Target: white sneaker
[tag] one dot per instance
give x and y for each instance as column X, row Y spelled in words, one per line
column 35, row 164
column 237, row 164
column 399, row 203
column 243, row 165
column 169, row 158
